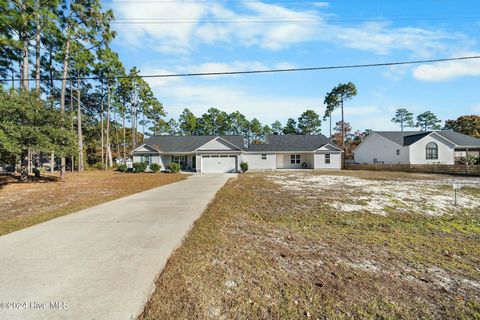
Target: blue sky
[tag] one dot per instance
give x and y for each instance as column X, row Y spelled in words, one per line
column 337, row 32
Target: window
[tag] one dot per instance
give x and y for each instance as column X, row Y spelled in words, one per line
column 295, row 159
column 180, row 160
column 432, row 151
column 398, row 152
column 327, row 158
column 145, row 159
column 264, row 156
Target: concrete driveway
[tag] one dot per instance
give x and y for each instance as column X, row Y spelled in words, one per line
column 101, row 262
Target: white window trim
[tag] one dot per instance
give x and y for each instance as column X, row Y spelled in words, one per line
column 296, row 158
column 327, row 159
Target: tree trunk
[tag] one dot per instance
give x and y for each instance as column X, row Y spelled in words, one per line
column 72, row 120
column 52, row 162
column 343, row 129
column 117, row 139
column 330, row 126
column 101, row 120
column 79, row 129
column 25, row 63
column 50, row 72
column 38, row 43
column 29, row 160
column 124, row 138
column 109, row 153
column 62, row 96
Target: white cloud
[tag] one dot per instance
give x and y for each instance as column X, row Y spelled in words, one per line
column 380, row 38
column 476, row 108
column 444, row 71
column 321, row 4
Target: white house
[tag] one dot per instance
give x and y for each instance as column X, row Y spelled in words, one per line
column 416, row 147
column 225, row 153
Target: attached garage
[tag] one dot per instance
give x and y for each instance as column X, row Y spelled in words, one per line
column 215, row 163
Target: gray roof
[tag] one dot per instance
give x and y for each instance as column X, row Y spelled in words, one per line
column 188, row 143
column 291, row 143
column 406, row 138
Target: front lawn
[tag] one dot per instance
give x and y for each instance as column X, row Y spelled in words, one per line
column 328, row 246
column 26, row 204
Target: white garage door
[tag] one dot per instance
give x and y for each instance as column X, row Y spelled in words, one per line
column 219, row 163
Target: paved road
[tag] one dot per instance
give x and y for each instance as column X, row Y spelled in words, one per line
column 101, row 262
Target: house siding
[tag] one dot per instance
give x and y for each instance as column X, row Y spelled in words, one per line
column 382, row 149
column 445, row 151
column 255, row 161
column 283, row 160
column 335, row 161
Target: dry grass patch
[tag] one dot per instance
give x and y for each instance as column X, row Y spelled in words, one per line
column 26, row 204
column 263, row 252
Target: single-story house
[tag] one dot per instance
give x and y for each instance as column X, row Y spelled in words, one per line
column 416, row 147
column 225, row 153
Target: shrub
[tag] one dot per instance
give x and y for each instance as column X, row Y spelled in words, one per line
column 98, row 165
column 174, row 167
column 123, row 168
column 140, row 167
column 244, row 166
column 155, row 167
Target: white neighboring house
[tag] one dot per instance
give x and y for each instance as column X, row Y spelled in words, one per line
column 208, row 154
column 416, row 147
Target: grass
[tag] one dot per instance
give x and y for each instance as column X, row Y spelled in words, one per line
column 26, row 204
column 263, row 252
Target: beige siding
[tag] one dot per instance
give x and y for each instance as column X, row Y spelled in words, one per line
column 255, row 161
column 381, row 149
column 335, row 161
column 445, row 151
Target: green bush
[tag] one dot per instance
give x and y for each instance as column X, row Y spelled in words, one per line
column 173, row 167
column 123, row 168
column 140, row 167
column 98, row 166
column 155, row 167
column 244, row 166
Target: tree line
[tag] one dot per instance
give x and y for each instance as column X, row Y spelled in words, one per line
column 73, row 120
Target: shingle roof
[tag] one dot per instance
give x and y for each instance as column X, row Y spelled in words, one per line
column 188, row 143
column 407, row 138
column 291, row 143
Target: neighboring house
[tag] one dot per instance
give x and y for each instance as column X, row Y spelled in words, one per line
column 416, row 147
column 225, row 153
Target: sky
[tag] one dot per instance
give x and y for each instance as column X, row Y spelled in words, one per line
column 170, row 36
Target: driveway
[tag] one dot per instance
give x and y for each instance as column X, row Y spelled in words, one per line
column 102, row 262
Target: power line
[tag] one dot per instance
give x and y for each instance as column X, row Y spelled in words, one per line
column 226, row 73
column 229, row 21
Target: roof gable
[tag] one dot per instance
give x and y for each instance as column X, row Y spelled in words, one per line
column 145, row 148
column 292, row 143
column 172, row 144
column 218, row 144
column 406, row 138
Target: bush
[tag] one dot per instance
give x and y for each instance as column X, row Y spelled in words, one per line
column 140, row 167
column 155, row 167
column 173, row 167
column 98, row 166
column 244, row 166
column 123, row 168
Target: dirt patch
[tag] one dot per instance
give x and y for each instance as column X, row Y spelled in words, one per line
column 263, row 251
column 430, row 197
column 25, row 204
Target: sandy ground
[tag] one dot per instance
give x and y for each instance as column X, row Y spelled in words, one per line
column 430, row 197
